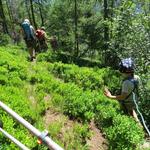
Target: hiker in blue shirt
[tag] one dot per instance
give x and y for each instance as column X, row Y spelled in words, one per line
column 129, row 88
column 29, row 37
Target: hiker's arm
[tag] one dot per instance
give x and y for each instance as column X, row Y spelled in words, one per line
column 108, row 94
column 34, row 31
column 21, row 31
column 46, row 36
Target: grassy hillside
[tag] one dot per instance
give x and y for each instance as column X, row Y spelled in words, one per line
column 63, row 98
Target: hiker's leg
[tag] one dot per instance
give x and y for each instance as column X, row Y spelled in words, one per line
column 136, row 118
column 135, row 115
column 132, row 113
column 124, row 107
column 30, row 52
column 33, row 53
column 35, row 47
column 32, row 47
column 29, row 46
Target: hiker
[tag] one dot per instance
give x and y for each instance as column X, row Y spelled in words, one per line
column 42, row 39
column 129, row 88
column 29, row 37
column 54, row 43
column 16, row 37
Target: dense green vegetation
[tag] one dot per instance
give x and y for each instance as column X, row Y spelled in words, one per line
column 92, row 37
column 74, row 91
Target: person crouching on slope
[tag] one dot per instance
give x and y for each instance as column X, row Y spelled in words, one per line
column 129, row 88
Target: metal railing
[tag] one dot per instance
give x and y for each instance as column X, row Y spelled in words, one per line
column 18, row 143
column 43, row 136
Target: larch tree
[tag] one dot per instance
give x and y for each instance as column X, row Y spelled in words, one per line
column 3, row 18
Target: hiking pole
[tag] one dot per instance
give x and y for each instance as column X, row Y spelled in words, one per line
column 43, row 136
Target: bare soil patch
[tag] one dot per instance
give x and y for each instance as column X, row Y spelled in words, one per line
column 97, row 140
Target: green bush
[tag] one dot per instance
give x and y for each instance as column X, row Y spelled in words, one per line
column 124, row 133
column 4, row 39
column 84, row 105
column 48, row 56
column 121, row 131
column 84, row 77
column 13, row 73
column 76, row 91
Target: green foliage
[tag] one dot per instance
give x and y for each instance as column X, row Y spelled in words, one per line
column 92, row 104
column 112, row 79
column 124, row 133
column 4, row 39
column 13, row 75
column 75, row 99
column 120, row 30
column 89, row 27
column 55, row 129
column 144, row 98
column 73, row 133
column 82, row 131
column 48, row 56
column 121, row 131
column 105, row 112
column 75, row 91
column 84, row 77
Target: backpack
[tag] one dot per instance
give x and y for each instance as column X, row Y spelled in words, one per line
column 27, row 30
column 40, row 34
column 135, row 83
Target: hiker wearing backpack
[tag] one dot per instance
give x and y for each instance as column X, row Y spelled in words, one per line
column 129, row 90
column 42, row 39
column 29, row 37
column 54, row 43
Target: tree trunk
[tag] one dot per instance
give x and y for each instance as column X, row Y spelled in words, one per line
column 76, row 31
column 28, row 10
column 2, row 16
column 106, row 31
column 32, row 13
column 112, row 13
column 10, row 14
column 41, row 15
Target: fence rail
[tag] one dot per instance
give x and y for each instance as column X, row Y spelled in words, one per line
column 43, row 136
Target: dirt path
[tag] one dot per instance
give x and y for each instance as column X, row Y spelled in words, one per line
column 31, row 88
column 96, row 142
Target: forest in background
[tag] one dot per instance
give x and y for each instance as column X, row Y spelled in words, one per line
column 102, row 31
column 98, row 29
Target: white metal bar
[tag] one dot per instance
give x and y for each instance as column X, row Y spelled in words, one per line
column 19, row 144
column 47, row 140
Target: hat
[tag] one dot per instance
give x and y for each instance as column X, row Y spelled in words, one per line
column 126, row 65
column 43, row 28
column 27, row 20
